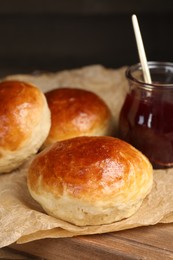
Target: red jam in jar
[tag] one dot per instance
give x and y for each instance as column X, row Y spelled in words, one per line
column 146, row 118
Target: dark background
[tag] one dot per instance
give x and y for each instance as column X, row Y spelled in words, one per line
column 63, row 34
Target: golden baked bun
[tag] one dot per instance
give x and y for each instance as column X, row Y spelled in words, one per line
column 24, row 122
column 76, row 112
column 90, row 180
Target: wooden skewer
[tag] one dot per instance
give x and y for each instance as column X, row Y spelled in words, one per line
column 141, row 50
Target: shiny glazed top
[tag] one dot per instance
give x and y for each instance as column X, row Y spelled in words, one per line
column 20, row 104
column 89, row 168
column 76, row 112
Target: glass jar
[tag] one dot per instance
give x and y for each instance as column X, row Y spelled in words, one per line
column 146, row 118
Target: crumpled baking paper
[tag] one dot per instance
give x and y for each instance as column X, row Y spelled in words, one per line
column 23, row 220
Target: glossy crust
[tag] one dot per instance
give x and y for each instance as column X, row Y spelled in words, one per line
column 90, row 180
column 24, row 122
column 76, row 112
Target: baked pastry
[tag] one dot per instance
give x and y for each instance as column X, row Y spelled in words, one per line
column 24, row 122
column 90, row 180
column 76, row 112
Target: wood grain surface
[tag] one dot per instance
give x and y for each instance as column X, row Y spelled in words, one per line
column 152, row 242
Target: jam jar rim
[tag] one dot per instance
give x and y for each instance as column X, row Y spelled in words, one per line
column 149, row 86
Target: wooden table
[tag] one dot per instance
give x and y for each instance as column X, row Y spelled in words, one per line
column 152, row 242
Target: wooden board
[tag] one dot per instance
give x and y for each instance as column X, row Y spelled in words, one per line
column 152, row 242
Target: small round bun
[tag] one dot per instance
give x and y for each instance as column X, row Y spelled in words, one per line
column 76, row 112
column 24, row 123
column 90, row 180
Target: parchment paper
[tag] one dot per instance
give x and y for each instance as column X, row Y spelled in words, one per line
column 23, row 220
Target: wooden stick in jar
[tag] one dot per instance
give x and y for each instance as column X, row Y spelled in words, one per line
column 141, row 50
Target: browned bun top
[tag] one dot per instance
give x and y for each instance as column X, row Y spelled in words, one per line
column 24, row 122
column 76, row 112
column 90, row 180
column 20, row 103
column 85, row 165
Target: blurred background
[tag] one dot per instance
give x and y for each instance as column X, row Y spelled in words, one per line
column 53, row 35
